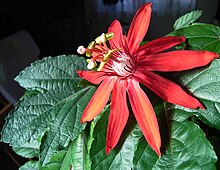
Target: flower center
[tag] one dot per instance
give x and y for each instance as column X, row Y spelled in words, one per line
column 120, row 62
column 124, row 67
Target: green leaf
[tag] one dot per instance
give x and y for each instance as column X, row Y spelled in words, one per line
column 56, row 161
column 74, row 157
column 121, row 156
column 204, row 83
column 89, row 137
column 53, row 73
column 32, row 117
column 66, row 125
column 201, row 37
column 187, row 148
column 187, row 19
column 30, row 165
column 28, row 150
column 55, row 107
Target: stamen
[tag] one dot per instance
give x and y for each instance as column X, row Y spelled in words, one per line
column 109, row 35
column 103, row 54
column 90, row 46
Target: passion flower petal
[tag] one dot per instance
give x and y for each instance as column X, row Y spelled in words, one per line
column 145, row 115
column 118, row 114
column 139, row 27
column 158, row 45
column 94, row 77
column 98, row 100
column 119, row 40
column 173, row 61
column 167, row 90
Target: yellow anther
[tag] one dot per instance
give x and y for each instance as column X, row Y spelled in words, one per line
column 101, row 39
column 90, row 46
column 109, row 35
column 104, row 37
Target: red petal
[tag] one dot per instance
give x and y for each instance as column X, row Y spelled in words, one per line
column 98, row 100
column 167, row 90
column 145, row 115
column 158, row 45
column 177, row 60
column 118, row 115
column 118, row 41
column 94, row 77
column 139, row 26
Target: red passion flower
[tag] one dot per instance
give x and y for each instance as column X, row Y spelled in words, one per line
column 124, row 65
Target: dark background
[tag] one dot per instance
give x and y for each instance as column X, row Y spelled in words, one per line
column 59, row 27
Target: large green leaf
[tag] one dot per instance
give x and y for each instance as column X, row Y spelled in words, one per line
column 76, row 155
column 204, row 83
column 120, row 157
column 201, row 37
column 187, row 147
column 36, row 111
column 56, row 108
column 66, row 126
column 187, row 19
column 33, row 116
column 53, row 73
